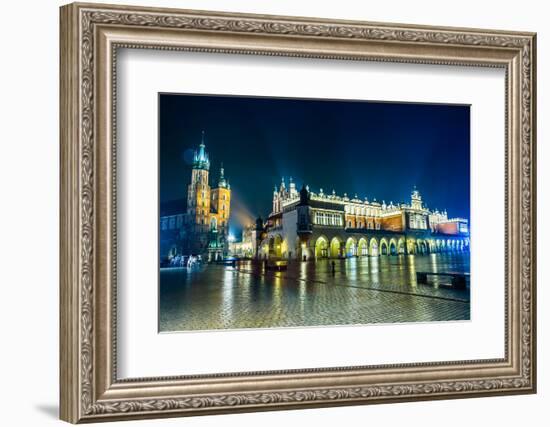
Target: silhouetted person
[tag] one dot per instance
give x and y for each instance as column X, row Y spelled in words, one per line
column 333, row 267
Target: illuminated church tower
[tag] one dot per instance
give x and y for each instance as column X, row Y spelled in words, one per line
column 208, row 210
column 198, row 191
column 221, row 202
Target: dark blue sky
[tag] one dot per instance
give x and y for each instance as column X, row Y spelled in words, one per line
column 374, row 149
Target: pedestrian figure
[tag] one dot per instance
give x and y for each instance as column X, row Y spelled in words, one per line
column 305, row 258
column 333, row 267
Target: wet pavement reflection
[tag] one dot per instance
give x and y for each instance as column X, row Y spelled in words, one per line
column 359, row 291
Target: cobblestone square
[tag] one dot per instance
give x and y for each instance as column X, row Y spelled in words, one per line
column 361, row 290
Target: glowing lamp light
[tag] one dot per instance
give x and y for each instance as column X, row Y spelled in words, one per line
column 231, row 238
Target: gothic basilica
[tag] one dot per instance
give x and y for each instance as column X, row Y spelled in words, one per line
column 203, row 228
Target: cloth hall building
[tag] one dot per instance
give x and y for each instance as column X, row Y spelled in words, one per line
column 305, row 225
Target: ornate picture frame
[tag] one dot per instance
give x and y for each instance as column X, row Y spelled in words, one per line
column 90, row 37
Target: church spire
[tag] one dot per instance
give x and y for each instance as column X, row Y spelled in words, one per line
column 200, row 159
column 222, row 182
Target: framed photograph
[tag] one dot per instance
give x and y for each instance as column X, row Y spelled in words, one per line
column 265, row 212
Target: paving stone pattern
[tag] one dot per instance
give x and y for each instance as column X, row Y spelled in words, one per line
column 359, row 291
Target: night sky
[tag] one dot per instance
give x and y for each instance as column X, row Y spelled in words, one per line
column 378, row 150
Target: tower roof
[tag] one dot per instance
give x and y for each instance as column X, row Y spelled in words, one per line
column 222, row 182
column 200, row 159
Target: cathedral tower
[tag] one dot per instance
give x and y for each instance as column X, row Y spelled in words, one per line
column 198, row 195
column 208, row 209
column 221, row 202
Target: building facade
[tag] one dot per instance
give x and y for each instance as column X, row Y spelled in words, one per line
column 244, row 247
column 201, row 229
column 305, row 225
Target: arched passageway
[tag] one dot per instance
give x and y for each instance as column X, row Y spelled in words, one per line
column 351, row 247
column 373, row 247
column 275, row 246
column 335, row 246
column 362, row 247
column 393, row 247
column 421, row 247
column 401, row 246
column 321, row 248
column 383, row 247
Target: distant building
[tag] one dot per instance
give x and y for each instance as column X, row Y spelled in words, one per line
column 245, row 246
column 201, row 228
column 308, row 225
column 172, row 228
